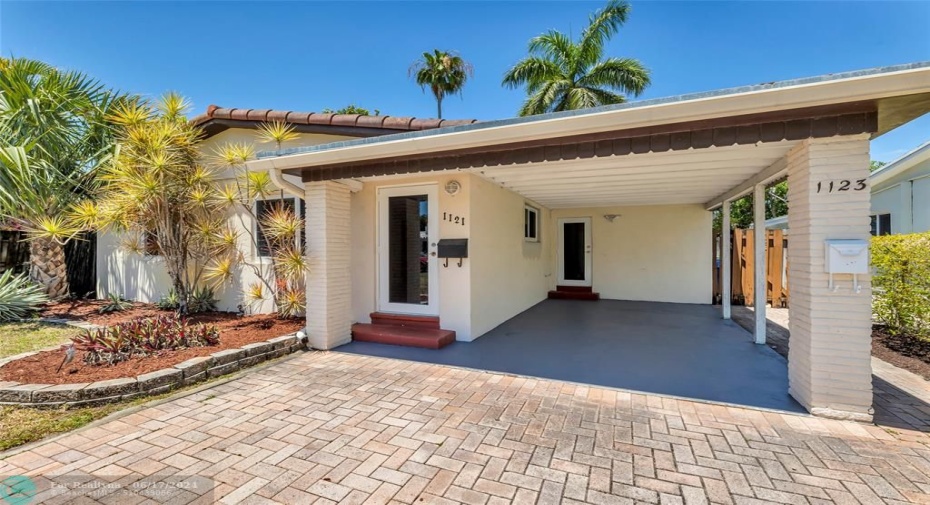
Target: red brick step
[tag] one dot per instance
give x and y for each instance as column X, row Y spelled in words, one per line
column 411, row 336
column 561, row 294
column 429, row 322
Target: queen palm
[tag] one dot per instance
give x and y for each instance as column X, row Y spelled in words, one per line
column 562, row 74
column 443, row 73
column 53, row 134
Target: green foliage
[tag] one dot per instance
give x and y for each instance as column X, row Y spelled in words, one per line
column 562, row 74
column 741, row 211
column 352, row 109
column 443, row 72
column 142, row 337
column 170, row 301
column 875, row 165
column 901, row 283
column 18, row 296
column 201, row 300
column 115, row 303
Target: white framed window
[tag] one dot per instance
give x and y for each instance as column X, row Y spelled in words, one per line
column 530, row 223
column 264, row 206
column 881, row 224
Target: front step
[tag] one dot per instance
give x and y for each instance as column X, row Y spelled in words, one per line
column 427, row 322
column 574, row 293
column 395, row 334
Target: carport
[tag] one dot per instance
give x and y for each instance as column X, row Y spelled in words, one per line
column 682, row 350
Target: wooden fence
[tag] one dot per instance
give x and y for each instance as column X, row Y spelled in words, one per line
column 743, row 264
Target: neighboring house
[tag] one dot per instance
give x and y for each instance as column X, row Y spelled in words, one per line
column 901, row 194
column 614, row 200
column 143, row 278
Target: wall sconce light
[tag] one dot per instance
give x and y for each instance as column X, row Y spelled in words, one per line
column 610, row 217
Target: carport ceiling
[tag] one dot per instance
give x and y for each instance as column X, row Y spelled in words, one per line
column 693, row 176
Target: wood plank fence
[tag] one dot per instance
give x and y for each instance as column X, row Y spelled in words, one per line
column 743, row 263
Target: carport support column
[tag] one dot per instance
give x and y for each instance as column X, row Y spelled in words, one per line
column 760, row 285
column 329, row 280
column 829, row 361
column 726, row 263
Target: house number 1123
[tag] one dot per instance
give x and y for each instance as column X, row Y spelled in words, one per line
column 843, row 185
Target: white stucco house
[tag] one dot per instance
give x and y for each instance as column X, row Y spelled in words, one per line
column 901, row 194
column 463, row 227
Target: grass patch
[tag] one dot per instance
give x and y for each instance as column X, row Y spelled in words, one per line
column 17, row 338
column 22, row 425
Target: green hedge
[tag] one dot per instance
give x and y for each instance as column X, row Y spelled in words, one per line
column 902, row 283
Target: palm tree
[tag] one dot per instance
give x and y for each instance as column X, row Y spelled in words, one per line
column 560, row 74
column 443, row 73
column 53, row 135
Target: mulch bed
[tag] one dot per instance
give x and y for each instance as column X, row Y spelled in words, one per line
column 89, row 311
column 903, row 352
column 235, row 332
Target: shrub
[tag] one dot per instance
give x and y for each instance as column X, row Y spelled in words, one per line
column 201, row 300
column 115, row 303
column 142, row 337
column 902, row 283
column 18, row 296
column 171, row 301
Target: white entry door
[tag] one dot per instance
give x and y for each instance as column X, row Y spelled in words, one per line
column 574, row 251
column 407, row 234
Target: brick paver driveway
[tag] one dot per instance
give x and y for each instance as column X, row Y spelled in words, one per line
column 331, row 427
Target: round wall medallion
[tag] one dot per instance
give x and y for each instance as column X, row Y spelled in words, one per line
column 453, row 187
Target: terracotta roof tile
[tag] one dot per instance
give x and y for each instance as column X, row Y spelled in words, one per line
column 369, row 123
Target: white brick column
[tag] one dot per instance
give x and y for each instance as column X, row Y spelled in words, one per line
column 329, row 281
column 829, row 362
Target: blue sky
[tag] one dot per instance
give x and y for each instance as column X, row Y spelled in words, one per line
column 312, row 55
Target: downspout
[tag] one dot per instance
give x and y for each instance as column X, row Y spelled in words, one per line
column 277, row 177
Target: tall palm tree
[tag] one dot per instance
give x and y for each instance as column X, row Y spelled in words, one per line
column 444, row 73
column 561, row 74
column 53, row 134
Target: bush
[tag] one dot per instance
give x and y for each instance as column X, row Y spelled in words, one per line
column 18, row 296
column 142, row 337
column 115, row 303
column 902, row 283
column 201, row 300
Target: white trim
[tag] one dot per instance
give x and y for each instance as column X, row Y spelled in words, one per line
column 760, row 285
column 588, row 253
column 726, row 263
column 299, row 204
column 529, row 208
column 916, row 156
column 383, row 268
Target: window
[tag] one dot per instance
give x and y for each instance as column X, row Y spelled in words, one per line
column 262, row 208
column 530, row 224
column 881, row 224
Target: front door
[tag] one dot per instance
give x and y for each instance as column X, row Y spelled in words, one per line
column 574, row 236
column 407, row 236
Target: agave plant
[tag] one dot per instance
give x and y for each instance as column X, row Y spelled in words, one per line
column 19, row 297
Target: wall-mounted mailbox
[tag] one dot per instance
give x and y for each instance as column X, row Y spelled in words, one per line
column 452, row 248
column 846, row 256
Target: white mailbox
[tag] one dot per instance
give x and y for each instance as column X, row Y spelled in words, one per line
column 847, row 257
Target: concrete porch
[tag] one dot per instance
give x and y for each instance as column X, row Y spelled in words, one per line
column 672, row 349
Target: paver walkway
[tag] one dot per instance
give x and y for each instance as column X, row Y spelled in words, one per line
column 901, row 399
column 332, row 427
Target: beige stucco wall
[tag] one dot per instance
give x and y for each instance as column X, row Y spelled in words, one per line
column 656, row 253
column 508, row 274
column 144, row 279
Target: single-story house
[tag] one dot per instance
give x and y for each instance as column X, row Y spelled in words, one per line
column 464, row 227
column 901, row 194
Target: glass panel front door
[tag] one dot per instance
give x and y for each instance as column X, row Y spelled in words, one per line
column 407, row 262
column 574, row 251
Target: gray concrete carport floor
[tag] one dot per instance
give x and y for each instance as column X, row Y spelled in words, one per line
column 681, row 350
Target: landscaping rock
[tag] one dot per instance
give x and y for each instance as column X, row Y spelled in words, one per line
column 228, row 356
column 195, row 366
column 223, row 369
column 258, row 348
column 283, row 345
column 111, row 388
column 20, row 393
column 59, row 393
column 168, row 377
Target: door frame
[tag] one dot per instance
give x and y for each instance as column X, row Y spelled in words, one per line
column 560, row 251
column 431, row 190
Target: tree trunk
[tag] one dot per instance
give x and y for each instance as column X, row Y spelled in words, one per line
column 438, row 108
column 47, row 266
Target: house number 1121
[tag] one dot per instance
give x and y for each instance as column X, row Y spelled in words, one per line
column 843, row 185
column 453, row 219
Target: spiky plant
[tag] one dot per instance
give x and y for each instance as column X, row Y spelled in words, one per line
column 562, row 74
column 277, row 132
column 19, row 296
column 157, row 187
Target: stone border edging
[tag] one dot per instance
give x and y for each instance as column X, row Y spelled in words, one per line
column 149, row 384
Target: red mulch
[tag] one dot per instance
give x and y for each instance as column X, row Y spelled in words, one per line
column 905, row 352
column 235, row 332
column 89, row 311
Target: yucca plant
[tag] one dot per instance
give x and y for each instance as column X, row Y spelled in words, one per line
column 277, row 132
column 115, row 303
column 19, row 297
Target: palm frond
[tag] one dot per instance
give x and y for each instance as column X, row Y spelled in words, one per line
column 603, row 24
